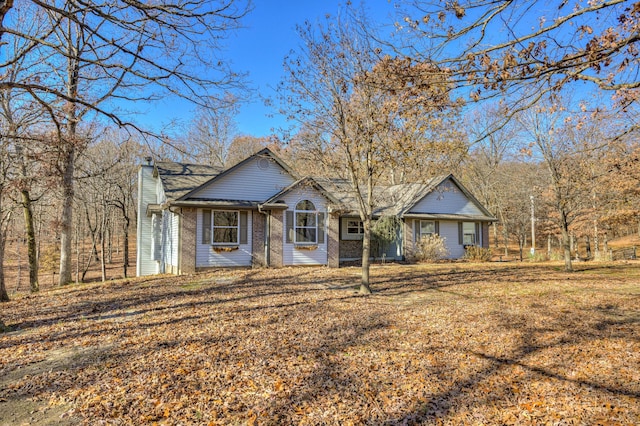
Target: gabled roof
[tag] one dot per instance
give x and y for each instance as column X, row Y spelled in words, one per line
column 266, row 152
column 306, row 181
column 179, row 179
column 398, row 200
column 391, row 200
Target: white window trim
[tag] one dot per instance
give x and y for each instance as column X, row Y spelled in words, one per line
column 358, row 224
column 346, row 236
column 296, row 226
column 422, row 234
column 473, row 234
column 213, row 227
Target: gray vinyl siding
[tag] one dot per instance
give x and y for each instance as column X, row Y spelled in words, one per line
column 291, row 255
column 147, row 194
column 447, row 199
column 449, row 231
column 207, row 257
column 248, row 182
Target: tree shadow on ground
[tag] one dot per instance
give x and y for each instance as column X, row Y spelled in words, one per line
column 297, row 346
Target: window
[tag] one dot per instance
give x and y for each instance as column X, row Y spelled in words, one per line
column 221, row 227
column 351, row 229
column 427, row 228
column 355, row 227
column 225, row 227
column 305, row 223
column 468, row 233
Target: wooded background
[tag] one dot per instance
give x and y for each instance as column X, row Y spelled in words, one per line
column 539, row 121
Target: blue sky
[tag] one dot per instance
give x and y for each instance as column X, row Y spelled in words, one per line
column 259, row 48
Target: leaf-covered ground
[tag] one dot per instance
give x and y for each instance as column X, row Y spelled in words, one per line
column 435, row 344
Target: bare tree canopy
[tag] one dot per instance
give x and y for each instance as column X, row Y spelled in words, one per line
column 137, row 51
column 505, row 46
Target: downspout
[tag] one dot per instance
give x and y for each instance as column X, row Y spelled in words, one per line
column 267, row 236
column 267, row 240
column 400, row 241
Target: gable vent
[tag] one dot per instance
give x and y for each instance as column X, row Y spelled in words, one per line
column 263, row 163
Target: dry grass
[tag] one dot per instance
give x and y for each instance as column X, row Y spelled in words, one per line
column 443, row 344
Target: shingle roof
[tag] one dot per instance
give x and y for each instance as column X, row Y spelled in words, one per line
column 180, row 178
column 393, row 200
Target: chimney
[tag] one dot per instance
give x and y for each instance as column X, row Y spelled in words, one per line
column 148, row 160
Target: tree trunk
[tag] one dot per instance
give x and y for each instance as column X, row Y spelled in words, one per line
column 566, row 242
column 103, row 254
column 365, row 287
column 521, row 243
column 505, row 236
column 69, row 158
column 596, row 240
column 32, row 247
column 66, row 219
column 125, row 251
column 4, row 296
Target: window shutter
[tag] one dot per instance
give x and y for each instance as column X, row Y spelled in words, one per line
column 416, row 231
column 321, row 226
column 437, row 227
column 460, row 236
column 206, row 226
column 477, row 239
column 243, row 227
column 289, row 226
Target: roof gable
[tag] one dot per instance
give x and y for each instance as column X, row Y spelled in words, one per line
column 447, row 196
column 308, row 182
column 256, row 178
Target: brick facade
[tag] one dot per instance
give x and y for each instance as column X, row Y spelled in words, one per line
column 276, row 239
column 257, row 240
column 333, row 241
column 188, row 241
column 351, row 249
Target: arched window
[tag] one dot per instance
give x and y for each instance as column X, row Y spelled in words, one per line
column 305, row 223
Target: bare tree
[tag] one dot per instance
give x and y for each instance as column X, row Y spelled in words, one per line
column 243, row 146
column 6, row 177
column 211, row 132
column 484, row 167
column 566, row 150
column 23, row 118
column 126, row 52
column 504, row 47
column 106, row 186
column 353, row 101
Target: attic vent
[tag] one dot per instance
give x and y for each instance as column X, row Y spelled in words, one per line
column 263, row 163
